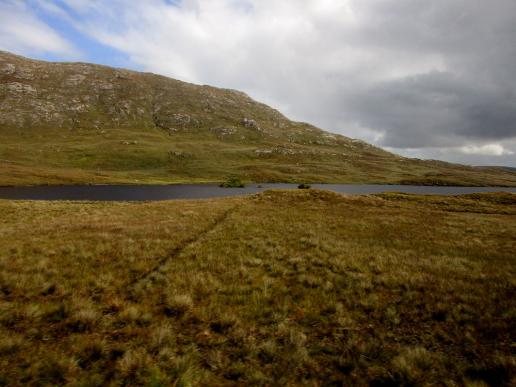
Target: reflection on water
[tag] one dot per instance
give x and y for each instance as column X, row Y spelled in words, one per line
column 204, row 191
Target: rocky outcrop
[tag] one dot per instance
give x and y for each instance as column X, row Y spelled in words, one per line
column 174, row 122
column 60, row 95
column 224, row 131
column 248, row 123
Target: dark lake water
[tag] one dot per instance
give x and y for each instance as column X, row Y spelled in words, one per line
column 204, row 191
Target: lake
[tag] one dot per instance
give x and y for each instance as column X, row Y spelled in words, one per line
column 204, row 191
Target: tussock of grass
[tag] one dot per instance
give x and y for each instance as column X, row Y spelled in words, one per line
column 285, row 287
column 232, row 183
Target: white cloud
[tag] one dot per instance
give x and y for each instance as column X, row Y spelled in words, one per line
column 485, row 150
column 21, row 31
column 474, row 154
column 296, row 54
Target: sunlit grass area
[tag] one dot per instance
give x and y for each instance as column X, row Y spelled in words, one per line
column 135, row 156
column 284, row 287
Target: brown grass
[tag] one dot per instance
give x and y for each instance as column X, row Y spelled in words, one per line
column 300, row 287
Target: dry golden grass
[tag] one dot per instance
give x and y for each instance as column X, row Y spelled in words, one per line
column 300, row 287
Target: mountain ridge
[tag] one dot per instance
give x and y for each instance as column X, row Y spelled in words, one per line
column 74, row 122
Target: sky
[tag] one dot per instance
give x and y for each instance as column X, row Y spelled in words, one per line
column 428, row 79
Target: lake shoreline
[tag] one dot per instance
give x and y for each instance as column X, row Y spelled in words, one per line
column 154, row 192
column 209, row 183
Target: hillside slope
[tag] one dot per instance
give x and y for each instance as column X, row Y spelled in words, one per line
column 84, row 123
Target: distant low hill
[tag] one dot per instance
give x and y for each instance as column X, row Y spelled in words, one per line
column 65, row 123
column 502, row 167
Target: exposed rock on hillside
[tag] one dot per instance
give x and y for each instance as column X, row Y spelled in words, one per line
column 251, row 124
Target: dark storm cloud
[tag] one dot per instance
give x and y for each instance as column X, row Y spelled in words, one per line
column 436, row 110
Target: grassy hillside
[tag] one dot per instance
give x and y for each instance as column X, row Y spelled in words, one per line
column 300, row 287
column 81, row 123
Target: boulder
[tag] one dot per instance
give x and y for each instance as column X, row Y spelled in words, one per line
column 248, row 123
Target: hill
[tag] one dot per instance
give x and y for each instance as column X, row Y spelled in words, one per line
column 84, row 123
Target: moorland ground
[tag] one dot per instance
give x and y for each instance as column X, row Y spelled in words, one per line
column 133, row 156
column 284, row 287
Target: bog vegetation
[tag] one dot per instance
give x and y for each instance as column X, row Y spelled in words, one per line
column 284, row 287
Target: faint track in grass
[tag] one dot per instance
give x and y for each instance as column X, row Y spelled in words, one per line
column 182, row 246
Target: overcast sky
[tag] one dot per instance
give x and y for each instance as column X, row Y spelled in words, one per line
column 429, row 79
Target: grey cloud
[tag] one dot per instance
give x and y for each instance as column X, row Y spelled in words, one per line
column 436, row 109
